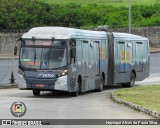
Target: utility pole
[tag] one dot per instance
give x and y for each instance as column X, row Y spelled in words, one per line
column 12, row 75
column 129, row 15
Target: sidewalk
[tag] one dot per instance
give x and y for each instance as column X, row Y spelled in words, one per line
column 154, row 50
column 5, row 86
column 148, row 81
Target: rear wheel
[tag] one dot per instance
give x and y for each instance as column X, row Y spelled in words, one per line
column 132, row 81
column 36, row 92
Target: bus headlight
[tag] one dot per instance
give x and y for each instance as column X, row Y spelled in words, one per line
column 63, row 73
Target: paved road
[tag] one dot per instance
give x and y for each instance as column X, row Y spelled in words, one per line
column 155, row 65
column 154, row 77
column 5, row 71
column 91, row 105
column 96, row 105
column 59, row 105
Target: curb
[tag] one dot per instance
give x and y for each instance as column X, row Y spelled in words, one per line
column 157, row 51
column 136, row 107
column 7, row 86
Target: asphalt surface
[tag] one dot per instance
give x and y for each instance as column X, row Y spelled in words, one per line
column 154, row 77
column 60, row 105
column 155, row 65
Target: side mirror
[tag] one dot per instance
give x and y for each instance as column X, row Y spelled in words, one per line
column 73, row 52
column 15, row 51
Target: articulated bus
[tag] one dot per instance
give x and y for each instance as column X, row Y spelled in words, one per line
column 74, row 60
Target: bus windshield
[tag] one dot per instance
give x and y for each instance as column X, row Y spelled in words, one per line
column 43, row 58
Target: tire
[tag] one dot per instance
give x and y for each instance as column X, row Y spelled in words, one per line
column 132, row 81
column 100, row 89
column 36, row 92
column 76, row 93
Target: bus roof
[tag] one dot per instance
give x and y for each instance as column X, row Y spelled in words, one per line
column 71, row 33
column 127, row 36
column 63, row 33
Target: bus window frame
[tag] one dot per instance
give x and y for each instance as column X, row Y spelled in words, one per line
column 21, row 67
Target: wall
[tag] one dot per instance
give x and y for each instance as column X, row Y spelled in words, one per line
column 152, row 33
column 8, row 41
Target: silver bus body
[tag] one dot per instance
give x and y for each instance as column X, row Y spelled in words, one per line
column 92, row 59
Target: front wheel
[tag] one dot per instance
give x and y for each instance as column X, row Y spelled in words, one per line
column 36, row 92
column 77, row 90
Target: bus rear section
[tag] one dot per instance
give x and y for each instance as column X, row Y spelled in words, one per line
column 131, row 58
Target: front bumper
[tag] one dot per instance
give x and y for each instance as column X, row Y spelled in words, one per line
column 48, row 84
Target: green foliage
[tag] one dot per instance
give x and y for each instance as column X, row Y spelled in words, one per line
column 145, row 96
column 103, row 2
column 25, row 14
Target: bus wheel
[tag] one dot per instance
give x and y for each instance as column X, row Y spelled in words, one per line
column 74, row 93
column 77, row 90
column 132, row 81
column 36, row 92
column 101, row 84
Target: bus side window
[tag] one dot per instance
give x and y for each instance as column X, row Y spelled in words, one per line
column 85, row 51
column 139, row 50
column 121, row 51
column 145, row 50
column 116, row 50
column 91, row 52
column 79, row 53
column 73, row 51
column 96, row 50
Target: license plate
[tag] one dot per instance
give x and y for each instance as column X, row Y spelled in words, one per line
column 39, row 85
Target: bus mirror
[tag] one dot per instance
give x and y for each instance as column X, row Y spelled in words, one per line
column 15, row 51
column 73, row 52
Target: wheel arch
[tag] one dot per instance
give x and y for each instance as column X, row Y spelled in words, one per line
column 134, row 72
column 103, row 75
column 79, row 81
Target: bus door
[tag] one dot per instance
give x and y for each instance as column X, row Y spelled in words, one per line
column 139, row 56
column 85, row 67
column 91, row 60
column 97, row 58
column 121, row 57
column 123, row 65
column 92, row 71
column 128, row 58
